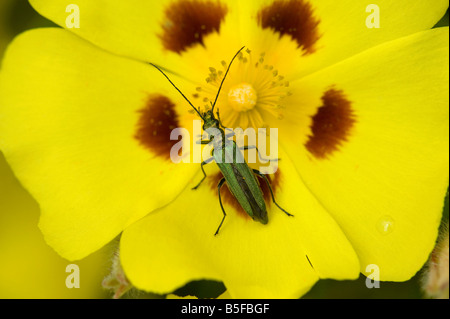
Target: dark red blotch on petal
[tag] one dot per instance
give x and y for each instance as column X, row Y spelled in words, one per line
column 331, row 125
column 157, row 120
column 186, row 22
column 294, row 18
column 229, row 199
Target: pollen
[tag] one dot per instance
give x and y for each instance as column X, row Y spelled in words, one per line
column 242, row 97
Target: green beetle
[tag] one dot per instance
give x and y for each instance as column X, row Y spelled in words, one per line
column 240, row 178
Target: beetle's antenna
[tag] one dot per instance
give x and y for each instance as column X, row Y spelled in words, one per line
column 223, row 80
column 179, row 91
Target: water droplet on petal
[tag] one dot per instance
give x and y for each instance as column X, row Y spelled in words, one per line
column 385, row 225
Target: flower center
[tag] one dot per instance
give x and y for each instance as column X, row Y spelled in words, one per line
column 255, row 90
column 242, row 97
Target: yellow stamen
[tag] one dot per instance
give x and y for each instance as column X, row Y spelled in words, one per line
column 255, row 88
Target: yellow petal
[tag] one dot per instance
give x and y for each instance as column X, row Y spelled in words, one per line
column 69, row 118
column 151, row 31
column 384, row 179
column 176, row 244
column 332, row 31
column 28, row 267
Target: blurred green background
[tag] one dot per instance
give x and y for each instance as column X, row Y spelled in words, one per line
column 31, row 269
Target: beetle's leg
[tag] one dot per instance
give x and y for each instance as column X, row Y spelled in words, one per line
column 230, row 134
column 206, row 142
column 209, row 160
column 270, row 188
column 246, row 148
column 222, row 181
column 220, row 122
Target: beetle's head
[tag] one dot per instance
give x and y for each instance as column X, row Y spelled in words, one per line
column 210, row 120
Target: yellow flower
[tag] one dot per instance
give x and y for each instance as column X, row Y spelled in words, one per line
column 363, row 126
column 28, row 267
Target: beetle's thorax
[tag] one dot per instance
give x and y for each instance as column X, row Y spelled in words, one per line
column 212, row 126
column 210, row 121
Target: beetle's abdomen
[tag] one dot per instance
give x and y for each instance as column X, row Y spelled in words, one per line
column 242, row 182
